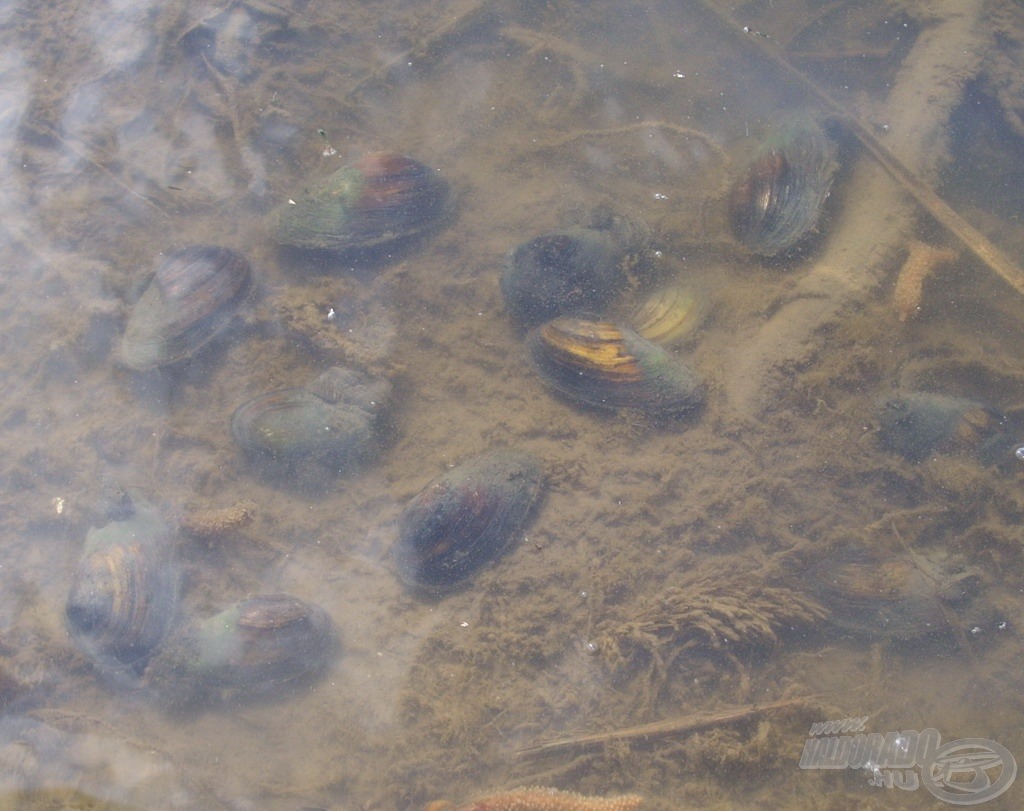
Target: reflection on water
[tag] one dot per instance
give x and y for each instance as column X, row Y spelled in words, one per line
column 773, row 547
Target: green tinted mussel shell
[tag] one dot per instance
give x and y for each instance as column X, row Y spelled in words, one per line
column 465, row 519
column 192, row 296
column 379, row 199
column 610, row 366
column 331, row 418
column 124, row 597
column 776, row 202
column 257, row 643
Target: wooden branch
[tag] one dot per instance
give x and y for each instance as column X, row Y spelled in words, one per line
column 687, row 725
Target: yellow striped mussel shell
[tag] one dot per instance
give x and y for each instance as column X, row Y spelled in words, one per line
column 670, row 314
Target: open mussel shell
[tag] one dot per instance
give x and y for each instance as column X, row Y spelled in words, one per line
column 776, row 202
column 258, row 643
column 892, row 597
column 610, row 366
column 124, row 597
column 192, row 296
column 918, row 424
column 465, row 519
column 331, row 419
column 670, row 314
column 571, row 271
column 379, row 199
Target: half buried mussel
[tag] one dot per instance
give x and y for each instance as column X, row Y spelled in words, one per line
column 777, row 201
column 917, row 424
column 192, row 296
column 125, row 593
column 610, row 366
column 260, row 642
column 892, row 597
column 380, row 199
column 465, row 518
column 331, row 419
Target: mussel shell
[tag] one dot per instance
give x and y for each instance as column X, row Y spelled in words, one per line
column 381, row 198
column 192, row 296
column 778, row 199
column 669, row 314
column 332, row 418
column 263, row 640
column 610, row 366
column 124, row 596
column 890, row 597
column 297, row 424
column 577, row 270
column 465, row 519
column 917, row 424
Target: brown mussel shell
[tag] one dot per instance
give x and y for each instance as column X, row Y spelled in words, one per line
column 776, row 202
column 332, row 418
column 379, row 199
column 918, row 424
column 891, row 597
column 465, row 519
column 124, row 597
column 610, row 366
column 192, row 296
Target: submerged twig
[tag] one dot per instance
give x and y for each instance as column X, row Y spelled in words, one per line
column 939, row 209
column 686, row 725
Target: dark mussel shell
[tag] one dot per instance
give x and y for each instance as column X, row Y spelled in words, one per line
column 777, row 201
column 610, row 366
column 125, row 593
column 890, row 597
column 465, row 519
column 332, row 418
column 193, row 295
column 257, row 643
column 379, row 199
column 917, row 424
column 571, row 271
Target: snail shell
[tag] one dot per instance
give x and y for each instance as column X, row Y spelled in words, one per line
column 379, row 199
column 465, row 519
column 192, row 296
column 610, row 366
column 125, row 592
column 777, row 201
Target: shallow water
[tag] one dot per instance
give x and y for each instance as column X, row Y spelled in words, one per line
column 666, row 573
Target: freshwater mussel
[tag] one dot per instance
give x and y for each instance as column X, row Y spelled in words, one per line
column 332, row 419
column 379, row 200
column 258, row 643
column 124, row 597
column 670, row 314
column 919, row 423
column 465, row 518
column 893, row 597
column 575, row 270
column 193, row 294
column 776, row 202
column 608, row 365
